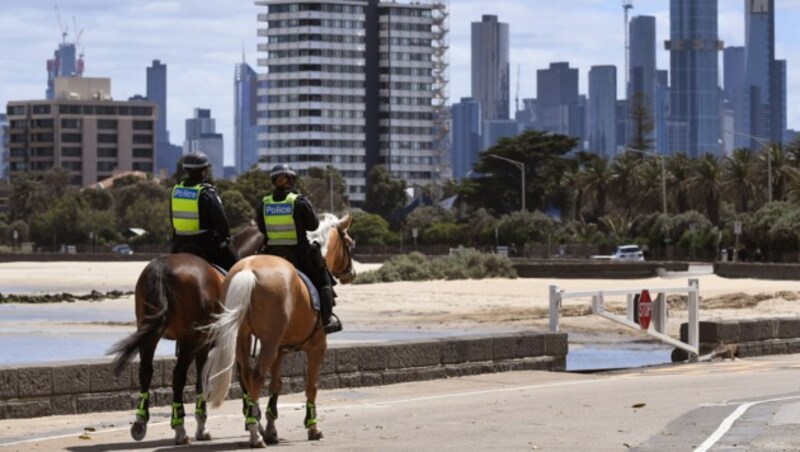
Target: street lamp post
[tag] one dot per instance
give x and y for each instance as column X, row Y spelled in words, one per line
column 766, row 145
column 521, row 166
column 663, row 175
column 330, row 185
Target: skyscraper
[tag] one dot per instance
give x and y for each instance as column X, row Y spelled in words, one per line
column 759, row 58
column 558, row 102
column 642, row 75
column 602, row 131
column 167, row 155
column 355, row 94
column 490, row 67
column 65, row 63
column 466, row 117
column 202, row 136
column 735, row 97
column 245, row 120
column 694, row 77
column 3, row 147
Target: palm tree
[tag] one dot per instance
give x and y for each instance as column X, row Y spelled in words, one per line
column 738, row 177
column 649, row 177
column 679, row 169
column 625, row 179
column 596, row 179
column 706, row 185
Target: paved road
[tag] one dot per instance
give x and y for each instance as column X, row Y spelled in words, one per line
column 666, row 408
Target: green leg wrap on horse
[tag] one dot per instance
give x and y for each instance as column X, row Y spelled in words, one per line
column 200, row 408
column 311, row 415
column 143, row 406
column 177, row 414
column 251, row 411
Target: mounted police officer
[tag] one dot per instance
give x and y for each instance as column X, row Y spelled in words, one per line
column 199, row 221
column 285, row 219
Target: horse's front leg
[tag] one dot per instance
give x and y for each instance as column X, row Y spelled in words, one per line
column 315, row 355
column 275, row 385
column 200, row 408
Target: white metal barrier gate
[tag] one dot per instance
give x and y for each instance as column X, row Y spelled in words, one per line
column 658, row 327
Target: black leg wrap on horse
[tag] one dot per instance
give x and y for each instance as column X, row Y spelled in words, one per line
column 272, row 407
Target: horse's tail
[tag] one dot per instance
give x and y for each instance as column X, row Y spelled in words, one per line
column 158, row 294
column 224, row 332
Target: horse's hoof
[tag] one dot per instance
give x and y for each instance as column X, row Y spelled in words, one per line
column 138, row 430
column 271, row 438
column 180, row 435
column 257, row 445
column 314, row 434
column 205, row 435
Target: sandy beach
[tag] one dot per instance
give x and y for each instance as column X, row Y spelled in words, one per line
column 481, row 304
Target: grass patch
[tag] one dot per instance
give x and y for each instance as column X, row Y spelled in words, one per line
column 463, row 263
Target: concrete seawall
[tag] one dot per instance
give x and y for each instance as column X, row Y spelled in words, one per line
column 70, row 388
column 747, row 338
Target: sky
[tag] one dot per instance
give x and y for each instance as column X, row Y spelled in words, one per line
column 202, row 40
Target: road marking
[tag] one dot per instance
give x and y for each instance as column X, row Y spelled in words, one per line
column 728, row 422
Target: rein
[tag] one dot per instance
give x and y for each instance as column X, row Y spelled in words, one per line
column 348, row 253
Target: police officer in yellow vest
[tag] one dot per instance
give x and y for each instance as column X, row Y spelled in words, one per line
column 285, row 219
column 199, row 221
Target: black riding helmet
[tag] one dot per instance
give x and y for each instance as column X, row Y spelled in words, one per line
column 195, row 161
column 282, row 170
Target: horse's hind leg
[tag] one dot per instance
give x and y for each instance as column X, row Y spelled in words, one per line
column 200, row 409
column 146, row 352
column 255, row 382
column 186, row 351
column 275, row 385
column 315, row 357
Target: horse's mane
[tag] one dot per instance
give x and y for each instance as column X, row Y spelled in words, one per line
column 321, row 234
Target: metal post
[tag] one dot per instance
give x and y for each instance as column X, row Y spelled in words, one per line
column 694, row 314
column 660, row 312
column 555, row 303
column 664, row 185
column 769, row 175
column 330, row 184
column 630, row 308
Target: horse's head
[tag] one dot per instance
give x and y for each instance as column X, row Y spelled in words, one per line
column 339, row 256
column 247, row 241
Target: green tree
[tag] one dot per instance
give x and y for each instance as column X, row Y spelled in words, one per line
column 596, row 180
column 679, row 171
column 625, row 179
column 150, row 215
column 525, row 227
column 499, row 189
column 238, row 211
column 738, row 177
column 384, row 194
column 444, row 234
column 318, row 184
column 706, row 184
column 254, row 185
column 369, row 229
column 642, row 124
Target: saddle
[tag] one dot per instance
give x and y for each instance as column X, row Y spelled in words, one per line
column 312, row 290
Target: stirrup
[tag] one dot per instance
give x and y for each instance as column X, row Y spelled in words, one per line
column 333, row 325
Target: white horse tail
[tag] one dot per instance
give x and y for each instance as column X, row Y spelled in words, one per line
column 222, row 357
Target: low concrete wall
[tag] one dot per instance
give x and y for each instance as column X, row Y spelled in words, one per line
column 757, row 271
column 82, row 388
column 588, row 269
column 744, row 338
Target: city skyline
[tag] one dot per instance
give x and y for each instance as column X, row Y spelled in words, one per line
column 201, row 43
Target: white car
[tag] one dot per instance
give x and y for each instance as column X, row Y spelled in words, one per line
column 628, row 253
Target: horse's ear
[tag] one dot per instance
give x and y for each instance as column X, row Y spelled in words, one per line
column 345, row 222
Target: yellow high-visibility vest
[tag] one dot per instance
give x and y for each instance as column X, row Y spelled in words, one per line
column 186, row 209
column 279, row 220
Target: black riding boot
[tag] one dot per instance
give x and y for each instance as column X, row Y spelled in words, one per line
column 330, row 323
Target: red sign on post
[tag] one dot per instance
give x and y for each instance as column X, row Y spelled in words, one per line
column 645, row 310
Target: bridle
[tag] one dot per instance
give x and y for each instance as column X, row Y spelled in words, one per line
column 348, row 245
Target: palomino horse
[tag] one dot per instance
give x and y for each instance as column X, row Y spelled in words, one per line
column 174, row 295
column 265, row 298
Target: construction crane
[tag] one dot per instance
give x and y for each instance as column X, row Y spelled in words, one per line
column 61, row 25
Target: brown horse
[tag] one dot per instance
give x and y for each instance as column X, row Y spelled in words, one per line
column 174, row 295
column 266, row 299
